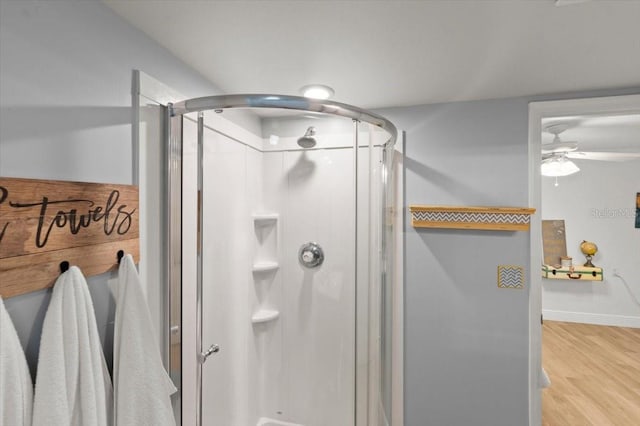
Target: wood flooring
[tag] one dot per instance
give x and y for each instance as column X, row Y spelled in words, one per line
column 594, row 372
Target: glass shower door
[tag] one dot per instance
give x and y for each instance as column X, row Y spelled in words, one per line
column 292, row 273
column 286, row 332
column 228, row 376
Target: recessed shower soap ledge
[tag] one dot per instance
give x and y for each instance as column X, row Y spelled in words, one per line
column 265, row 421
column 264, row 315
column 264, row 218
column 265, row 266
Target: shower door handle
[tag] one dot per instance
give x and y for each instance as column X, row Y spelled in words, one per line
column 202, row 357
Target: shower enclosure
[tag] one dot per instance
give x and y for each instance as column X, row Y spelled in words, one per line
column 280, row 261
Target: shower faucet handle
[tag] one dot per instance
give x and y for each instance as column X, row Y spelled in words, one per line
column 308, row 256
column 202, row 357
column 311, row 255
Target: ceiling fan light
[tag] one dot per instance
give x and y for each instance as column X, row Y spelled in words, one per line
column 555, row 167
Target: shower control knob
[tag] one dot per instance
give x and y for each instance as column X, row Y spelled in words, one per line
column 311, row 255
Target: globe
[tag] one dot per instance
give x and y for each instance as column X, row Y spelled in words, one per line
column 589, row 249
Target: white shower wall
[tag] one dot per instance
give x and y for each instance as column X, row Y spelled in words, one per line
column 300, row 367
column 313, row 192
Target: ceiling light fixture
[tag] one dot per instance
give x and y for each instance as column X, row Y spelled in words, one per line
column 558, row 166
column 317, row 91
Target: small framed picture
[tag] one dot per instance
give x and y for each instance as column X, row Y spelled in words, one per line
column 554, row 243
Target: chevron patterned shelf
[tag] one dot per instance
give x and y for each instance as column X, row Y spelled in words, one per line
column 459, row 217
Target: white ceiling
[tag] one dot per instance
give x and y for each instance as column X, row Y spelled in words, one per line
column 395, row 53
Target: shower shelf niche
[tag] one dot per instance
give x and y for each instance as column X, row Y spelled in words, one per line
column 265, row 266
column 264, row 315
column 265, row 218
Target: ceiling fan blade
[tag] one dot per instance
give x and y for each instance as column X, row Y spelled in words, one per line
column 604, row 156
column 551, row 148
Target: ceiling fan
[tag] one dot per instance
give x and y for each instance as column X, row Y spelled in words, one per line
column 557, row 155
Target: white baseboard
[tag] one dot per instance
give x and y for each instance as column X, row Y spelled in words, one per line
column 589, row 318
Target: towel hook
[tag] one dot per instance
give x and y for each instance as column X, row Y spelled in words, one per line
column 64, row 266
column 120, row 255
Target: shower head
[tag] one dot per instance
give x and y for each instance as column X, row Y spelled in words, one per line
column 308, row 141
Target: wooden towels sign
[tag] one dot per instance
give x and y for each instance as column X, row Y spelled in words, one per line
column 44, row 222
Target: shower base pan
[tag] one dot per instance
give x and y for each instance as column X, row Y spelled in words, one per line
column 264, row 421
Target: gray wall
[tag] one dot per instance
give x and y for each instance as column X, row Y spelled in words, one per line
column 65, row 113
column 466, row 340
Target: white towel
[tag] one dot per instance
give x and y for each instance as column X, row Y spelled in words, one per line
column 16, row 388
column 73, row 387
column 543, row 379
column 142, row 386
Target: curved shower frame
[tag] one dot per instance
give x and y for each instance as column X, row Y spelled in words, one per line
column 222, row 102
column 173, row 183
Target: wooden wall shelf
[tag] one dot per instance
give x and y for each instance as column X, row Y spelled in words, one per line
column 461, row 217
column 578, row 273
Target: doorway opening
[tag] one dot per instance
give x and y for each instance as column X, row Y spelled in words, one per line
column 593, row 207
